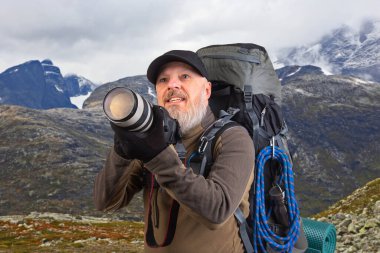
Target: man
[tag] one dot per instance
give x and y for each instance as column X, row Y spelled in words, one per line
column 184, row 211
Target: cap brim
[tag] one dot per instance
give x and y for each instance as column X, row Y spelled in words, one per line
column 155, row 67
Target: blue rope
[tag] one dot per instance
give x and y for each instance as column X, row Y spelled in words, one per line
column 263, row 235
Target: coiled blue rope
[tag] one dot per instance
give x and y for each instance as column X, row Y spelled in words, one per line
column 263, row 235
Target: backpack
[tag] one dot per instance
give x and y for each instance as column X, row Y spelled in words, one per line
column 247, row 91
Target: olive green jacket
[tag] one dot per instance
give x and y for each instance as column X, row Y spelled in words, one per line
column 206, row 221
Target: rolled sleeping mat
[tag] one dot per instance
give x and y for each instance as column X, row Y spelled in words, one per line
column 321, row 236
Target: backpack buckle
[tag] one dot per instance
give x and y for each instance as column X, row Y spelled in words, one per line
column 232, row 110
column 247, row 94
column 203, row 145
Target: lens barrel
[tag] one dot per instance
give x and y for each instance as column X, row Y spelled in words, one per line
column 128, row 109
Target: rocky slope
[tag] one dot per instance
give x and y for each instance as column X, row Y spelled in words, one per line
column 357, row 219
column 48, row 159
column 334, row 129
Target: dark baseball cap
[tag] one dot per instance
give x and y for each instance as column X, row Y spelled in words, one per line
column 185, row 56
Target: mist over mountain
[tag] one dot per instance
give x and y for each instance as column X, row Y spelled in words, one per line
column 40, row 85
column 344, row 51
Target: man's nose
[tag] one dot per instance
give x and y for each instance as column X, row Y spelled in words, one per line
column 174, row 83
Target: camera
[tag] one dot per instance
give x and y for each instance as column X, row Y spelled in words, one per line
column 128, row 109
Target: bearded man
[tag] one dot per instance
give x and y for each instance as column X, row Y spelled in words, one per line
column 184, row 211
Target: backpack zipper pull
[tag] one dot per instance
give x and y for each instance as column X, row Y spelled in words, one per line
column 262, row 116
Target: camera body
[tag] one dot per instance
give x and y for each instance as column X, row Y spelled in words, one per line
column 128, row 109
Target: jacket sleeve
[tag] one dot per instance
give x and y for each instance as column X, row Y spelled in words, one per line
column 118, row 181
column 214, row 199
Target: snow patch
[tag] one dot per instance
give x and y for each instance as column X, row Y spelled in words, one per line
column 326, row 68
column 58, row 89
column 360, row 81
column 79, row 100
column 298, row 69
column 51, row 72
column 151, row 92
column 13, row 71
column 305, row 93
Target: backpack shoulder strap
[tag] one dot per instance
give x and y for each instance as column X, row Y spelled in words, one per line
column 206, row 147
column 210, row 135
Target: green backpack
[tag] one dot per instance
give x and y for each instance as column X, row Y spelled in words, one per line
column 246, row 90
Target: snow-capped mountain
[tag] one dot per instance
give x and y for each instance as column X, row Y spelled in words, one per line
column 40, row 85
column 344, row 51
column 288, row 73
column 78, row 85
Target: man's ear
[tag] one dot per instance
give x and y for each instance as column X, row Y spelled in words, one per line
column 208, row 89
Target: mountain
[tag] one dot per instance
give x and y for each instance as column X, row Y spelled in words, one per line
column 78, row 85
column 49, row 158
column 334, row 131
column 40, row 85
column 287, row 73
column 344, row 51
column 139, row 84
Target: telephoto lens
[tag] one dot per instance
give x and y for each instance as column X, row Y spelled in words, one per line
column 128, row 109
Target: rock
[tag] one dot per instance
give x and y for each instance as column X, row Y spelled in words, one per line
column 352, row 228
column 352, row 249
column 340, row 216
column 372, row 223
column 376, row 209
column 345, row 223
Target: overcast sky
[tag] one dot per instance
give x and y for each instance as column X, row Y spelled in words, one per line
column 108, row 40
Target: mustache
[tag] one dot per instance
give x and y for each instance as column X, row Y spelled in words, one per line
column 174, row 93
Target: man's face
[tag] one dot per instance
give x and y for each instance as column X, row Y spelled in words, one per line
column 183, row 92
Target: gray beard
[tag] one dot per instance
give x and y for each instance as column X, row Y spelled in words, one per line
column 192, row 118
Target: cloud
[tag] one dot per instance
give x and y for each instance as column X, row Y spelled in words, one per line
column 108, row 40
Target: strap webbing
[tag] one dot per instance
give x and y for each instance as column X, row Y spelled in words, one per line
column 171, row 227
column 243, row 230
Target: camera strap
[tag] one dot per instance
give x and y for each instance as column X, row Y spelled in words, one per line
column 173, row 212
column 171, row 226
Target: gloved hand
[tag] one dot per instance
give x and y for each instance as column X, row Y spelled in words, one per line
column 146, row 145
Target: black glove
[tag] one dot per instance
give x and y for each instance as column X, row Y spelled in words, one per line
column 146, row 145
